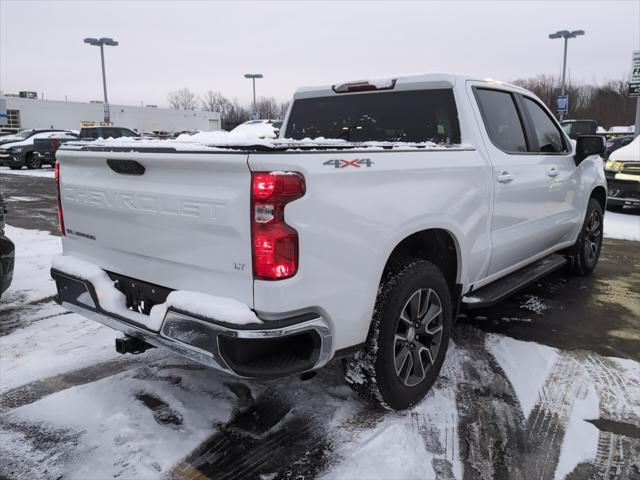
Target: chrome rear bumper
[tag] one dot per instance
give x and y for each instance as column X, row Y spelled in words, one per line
column 270, row 349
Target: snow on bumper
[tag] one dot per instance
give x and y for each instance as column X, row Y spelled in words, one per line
column 219, row 332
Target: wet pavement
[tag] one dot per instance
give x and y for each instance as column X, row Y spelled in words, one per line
column 296, row 430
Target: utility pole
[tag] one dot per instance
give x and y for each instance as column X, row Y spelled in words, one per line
column 253, row 76
column 566, row 34
column 101, row 43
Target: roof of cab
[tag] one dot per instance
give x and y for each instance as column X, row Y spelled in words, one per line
column 404, row 82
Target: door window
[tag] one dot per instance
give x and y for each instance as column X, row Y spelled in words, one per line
column 502, row 120
column 547, row 132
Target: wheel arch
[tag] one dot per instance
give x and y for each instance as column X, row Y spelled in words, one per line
column 600, row 194
column 437, row 245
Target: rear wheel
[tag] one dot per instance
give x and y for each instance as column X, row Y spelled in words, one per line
column 585, row 253
column 408, row 338
column 32, row 162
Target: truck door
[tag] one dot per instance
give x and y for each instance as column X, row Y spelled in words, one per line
column 551, row 147
column 519, row 223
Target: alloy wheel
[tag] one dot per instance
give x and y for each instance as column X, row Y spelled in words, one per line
column 418, row 336
column 593, row 236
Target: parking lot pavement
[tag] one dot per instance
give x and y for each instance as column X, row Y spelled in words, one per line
column 546, row 384
column 31, row 199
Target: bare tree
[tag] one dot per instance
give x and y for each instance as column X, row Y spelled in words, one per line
column 216, row 102
column 608, row 104
column 283, row 108
column 267, row 107
column 183, row 99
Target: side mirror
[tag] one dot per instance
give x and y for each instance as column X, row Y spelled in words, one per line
column 587, row 145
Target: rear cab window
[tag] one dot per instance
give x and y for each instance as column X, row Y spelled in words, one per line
column 398, row 116
column 502, row 120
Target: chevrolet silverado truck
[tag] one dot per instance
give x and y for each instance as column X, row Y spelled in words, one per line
column 418, row 197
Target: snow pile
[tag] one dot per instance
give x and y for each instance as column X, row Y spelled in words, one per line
column 225, row 310
column 253, row 130
column 623, row 226
column 526, row 364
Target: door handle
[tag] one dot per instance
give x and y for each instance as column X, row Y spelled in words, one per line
column 553, row 172
column 505, row 177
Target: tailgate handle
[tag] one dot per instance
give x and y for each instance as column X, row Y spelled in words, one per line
column 126, row 167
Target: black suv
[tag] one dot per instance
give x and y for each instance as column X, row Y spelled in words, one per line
column 92, row 133
column 7, row 252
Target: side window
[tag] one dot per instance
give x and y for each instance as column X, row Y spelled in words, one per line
column 125, row 132
column 110, row 133
column 502, row 120
column 89, row 133
column 548, row 134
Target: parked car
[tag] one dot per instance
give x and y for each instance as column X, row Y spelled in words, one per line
column 307, row 251
column 8, row 131
column 615, row 143
column 259, row 129
column 7, row 252
column 575, row 128
column 24, row 135
column 622, row 170
column 21, row 153
column 45, row 148
column 93, row 133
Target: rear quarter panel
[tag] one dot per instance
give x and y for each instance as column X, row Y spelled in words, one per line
column 351, row 219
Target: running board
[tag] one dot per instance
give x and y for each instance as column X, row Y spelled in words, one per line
column 493, row 293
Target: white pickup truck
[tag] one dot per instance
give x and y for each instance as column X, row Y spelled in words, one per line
column 437, row 192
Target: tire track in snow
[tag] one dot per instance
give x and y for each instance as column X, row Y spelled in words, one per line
column 617, row 455
column 546, row 425
column 490, row 418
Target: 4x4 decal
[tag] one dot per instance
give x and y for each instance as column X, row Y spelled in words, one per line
column 356, row 162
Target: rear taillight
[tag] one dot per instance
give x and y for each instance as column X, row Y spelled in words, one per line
column 54, row 145
column 274, row 243
column 59, row 198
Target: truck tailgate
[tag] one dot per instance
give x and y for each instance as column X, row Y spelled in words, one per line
column 183, row 223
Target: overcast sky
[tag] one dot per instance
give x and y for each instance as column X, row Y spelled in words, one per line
column 166, row 45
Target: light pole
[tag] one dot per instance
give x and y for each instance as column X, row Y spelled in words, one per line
column 566, row 34
column 253, row 77
column 101, row 43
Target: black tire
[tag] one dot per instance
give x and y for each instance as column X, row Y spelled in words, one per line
column 373, row 371
column 584, row 255
column 615, row 207
column 15, row 167
column 32, row 162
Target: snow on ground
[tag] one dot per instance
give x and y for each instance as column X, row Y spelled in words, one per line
column 52, row 346
column 526, row 364
column 623, row 226
column 45, row 171
column 580, row 443
column 31, row 278
column 112, row 432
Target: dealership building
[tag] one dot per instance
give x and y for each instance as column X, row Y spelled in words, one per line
column 35, row 113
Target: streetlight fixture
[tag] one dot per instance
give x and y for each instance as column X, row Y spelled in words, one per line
column 101, row 42
column 566, row 34
column 253, row 77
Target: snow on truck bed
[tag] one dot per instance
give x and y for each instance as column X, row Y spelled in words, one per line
column 221, row 141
